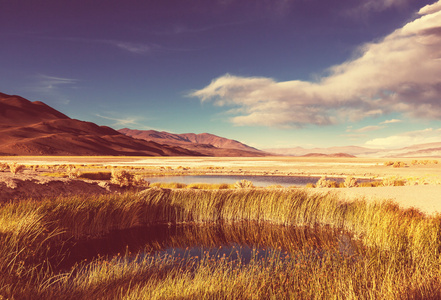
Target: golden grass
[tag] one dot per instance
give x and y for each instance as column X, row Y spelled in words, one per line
column 399, row 257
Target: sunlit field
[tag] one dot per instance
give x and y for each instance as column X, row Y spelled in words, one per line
column 395, row 252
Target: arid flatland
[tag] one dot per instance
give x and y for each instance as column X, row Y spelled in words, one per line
column 422, row 196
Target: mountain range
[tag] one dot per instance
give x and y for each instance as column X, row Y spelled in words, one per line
column 205, row 143
column 34, row 128
column 419, row 150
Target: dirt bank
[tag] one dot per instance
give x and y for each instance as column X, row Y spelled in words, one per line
column 24, row 186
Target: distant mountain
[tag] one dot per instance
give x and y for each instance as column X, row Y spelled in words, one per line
column 34, row 128
column 299, row 151
column 206, row 143
column 420, row 150
column 328, row 155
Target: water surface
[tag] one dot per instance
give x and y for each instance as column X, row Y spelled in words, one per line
column 237, row 241
column 262, row 181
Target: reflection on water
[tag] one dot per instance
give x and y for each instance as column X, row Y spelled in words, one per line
column 237, row 241
column 262, row 181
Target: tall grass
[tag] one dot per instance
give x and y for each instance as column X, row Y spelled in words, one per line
column 399, row 259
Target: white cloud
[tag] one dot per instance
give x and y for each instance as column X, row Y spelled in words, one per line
column 401, row 73
column 424, row 136
column 430, row 9
column 367, row 129
column 120, row 121
column 391, row 121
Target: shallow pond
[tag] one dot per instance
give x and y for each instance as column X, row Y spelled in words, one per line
column 237, row 241
column 262, row 181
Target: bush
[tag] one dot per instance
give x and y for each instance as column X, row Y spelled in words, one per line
column 3, row 167
column 73, row 172
column 393, row 181
column 325, row 183
column 350, row 182
column 15, row 168
column 399, row 164
column 244, row 184
column 124, row 178
column 310, row 185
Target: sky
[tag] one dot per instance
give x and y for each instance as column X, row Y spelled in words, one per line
column 268, row 73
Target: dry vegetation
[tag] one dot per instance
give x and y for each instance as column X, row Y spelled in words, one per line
column 398, row 256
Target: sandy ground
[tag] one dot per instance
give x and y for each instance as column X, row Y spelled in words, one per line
column 360, row 167
column 427, row 198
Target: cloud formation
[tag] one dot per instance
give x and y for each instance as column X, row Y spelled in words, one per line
column 424, row 136
column 391, row 121
column 52, row 87
column 400, row 73
column 366, row 129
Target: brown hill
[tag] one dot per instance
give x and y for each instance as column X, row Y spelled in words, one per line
column 34, row 128
column 206, row 143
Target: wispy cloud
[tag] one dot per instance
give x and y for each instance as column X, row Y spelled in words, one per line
column 401, row 73
column 136, row 48
column 120, row 122
column 365, row 129
column 424, row 136
column 391, row 121
column 53, row 87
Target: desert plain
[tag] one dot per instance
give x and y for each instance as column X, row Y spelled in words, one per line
column 421, row 191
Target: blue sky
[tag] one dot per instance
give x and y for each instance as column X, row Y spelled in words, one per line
column 279, row 73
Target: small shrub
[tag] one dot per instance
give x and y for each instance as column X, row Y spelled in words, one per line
column 124, row 178
column 325, row 183
column 388, row 163
column 73, row 172
column 350, row 182
column 244, row 184
column 399, row 164
column 393, row 181
column 138, row 180
column 3, row 167
column 16, row 168
column 310, row 185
